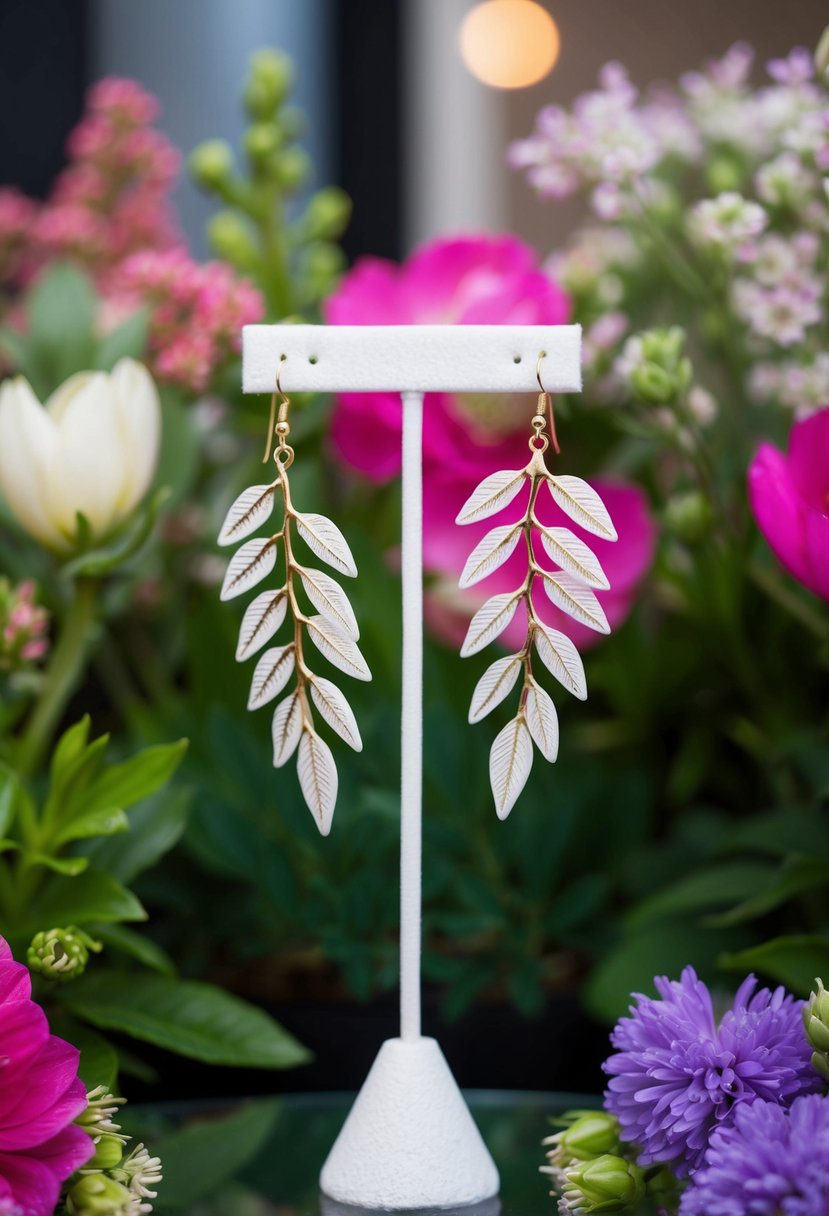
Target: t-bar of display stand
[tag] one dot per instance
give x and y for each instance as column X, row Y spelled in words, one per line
column 409, row 1141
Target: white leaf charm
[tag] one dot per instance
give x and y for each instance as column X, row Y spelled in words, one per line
column 252, row 561
column 577, row 600
column 337, row 712
column 286, row 729
column 510, row 761
column 249, row 512
column 317, row 778
column 581, row 502
column 494, row 493
column 272, row 673
column 573, row 555
column 338, row 647
column 489, row 621
column 560, row 657
column 326, row 540
column 495, row 684
column 490, row 553
column 542, row 720
column 262, row 618
column 330, row 600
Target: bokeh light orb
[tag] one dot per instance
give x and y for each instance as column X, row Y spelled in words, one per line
column 509, row 44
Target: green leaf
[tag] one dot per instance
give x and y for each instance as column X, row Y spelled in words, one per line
column 199, row 1158
column 69, row 866
column 61, row 314
column 798, row 875
column 128, row 341
column 9, row 790
column 99, row 1059
column 70, row 745
column 793, row 961
column 716, row 885
column 104, row 822
column 193, row 1019
column 77, row 901
column 134, row 779
column 155, row 827
column 95, row 563
column 136, row 945
column 656, row 949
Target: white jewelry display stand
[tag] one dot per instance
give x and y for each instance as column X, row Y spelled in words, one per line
column 409, row 1142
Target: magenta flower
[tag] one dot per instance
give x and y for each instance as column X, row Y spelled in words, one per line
column 770, row 1162
column 790, row 499
column 481, row 280
column 40, row 1095
column 678, row 1074
column 487, row 280
column 446, row 547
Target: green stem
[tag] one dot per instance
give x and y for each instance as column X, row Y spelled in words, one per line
column 276, row 279
column 61, row 678
column 775, row 589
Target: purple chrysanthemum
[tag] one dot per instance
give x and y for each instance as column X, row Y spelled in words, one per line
column 677, row 1075
column 768, row 1162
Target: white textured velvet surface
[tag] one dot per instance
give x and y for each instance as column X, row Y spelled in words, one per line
column 393, row 358
column 409, row 1140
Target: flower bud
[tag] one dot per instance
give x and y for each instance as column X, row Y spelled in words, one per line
column 816, row 1022
column 97, row 1195
column 822, row 55
column 108, row 1153
column 60, row 954
column 293, row 168
column 604, row 1184
column 268, row 84
column 327, row 214
column 652, row 384
column 593, row 1134
column 724, row 173
column 689, row 517
column 261, row 141
column 211, row 163
column 231, row 238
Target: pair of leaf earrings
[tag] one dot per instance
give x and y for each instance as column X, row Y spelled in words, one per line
column 333, row 630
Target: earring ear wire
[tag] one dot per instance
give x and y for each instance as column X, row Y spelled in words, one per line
column 278, row 426
column 544, row 408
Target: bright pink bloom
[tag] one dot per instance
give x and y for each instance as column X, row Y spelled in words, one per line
column 790, row 500
column 483, row 280
column 488, row 281
column 447, row 546
column 40, row 1095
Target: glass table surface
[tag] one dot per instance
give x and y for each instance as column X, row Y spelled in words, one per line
column 269, row 1161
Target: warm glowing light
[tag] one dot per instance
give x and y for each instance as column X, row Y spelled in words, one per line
column 509, row 44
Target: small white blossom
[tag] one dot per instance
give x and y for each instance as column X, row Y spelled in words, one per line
column 727, row 220
column 786, row 182
column 701, row 405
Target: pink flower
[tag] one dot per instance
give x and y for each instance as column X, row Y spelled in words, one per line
column 40, row 1095
column 483, row 280
column 447, row 546
column 790, row 500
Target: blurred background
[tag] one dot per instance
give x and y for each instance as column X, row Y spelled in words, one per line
column 394, row 115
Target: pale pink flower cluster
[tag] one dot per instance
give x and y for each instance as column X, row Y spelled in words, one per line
column 16, row 215
column 197, row 311
column 112, row 198
column 727, row 221
column 609, row 140
column 23, row 626
column 784, row 296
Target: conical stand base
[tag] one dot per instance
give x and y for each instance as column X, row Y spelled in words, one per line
column 409, row 1141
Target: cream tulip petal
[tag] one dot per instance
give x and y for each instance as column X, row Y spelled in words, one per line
column 60, row 400
column 139, row 413
column 92, row 459
column 28, row 446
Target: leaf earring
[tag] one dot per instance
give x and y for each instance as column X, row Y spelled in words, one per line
column 569, row 585
column 333, row 629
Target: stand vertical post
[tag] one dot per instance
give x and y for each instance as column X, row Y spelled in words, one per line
column 411, row 721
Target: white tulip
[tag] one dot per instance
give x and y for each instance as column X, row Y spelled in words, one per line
column 93, row 449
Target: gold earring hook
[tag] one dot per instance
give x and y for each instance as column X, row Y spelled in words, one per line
column 277, row 425
column 544, row 408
